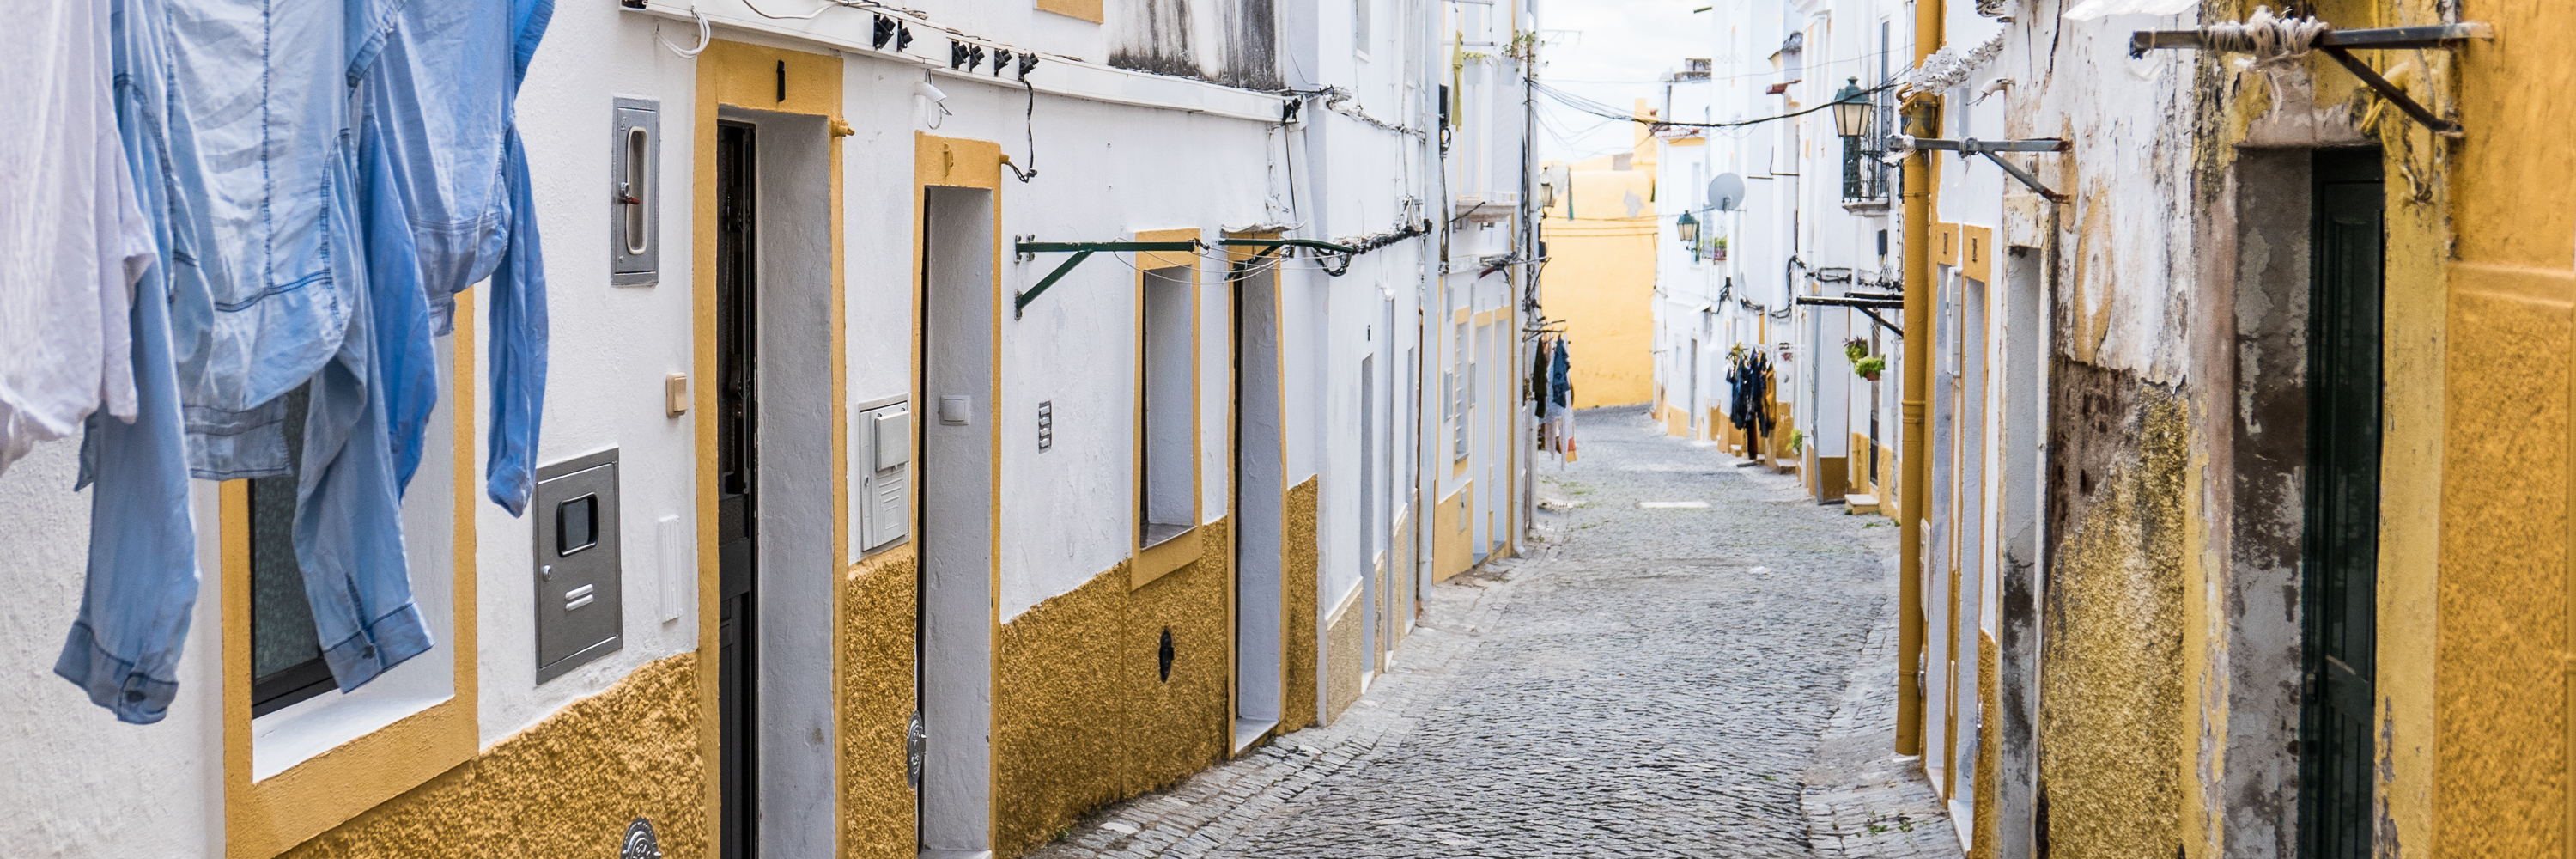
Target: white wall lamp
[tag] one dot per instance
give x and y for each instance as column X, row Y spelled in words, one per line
column 934, row 104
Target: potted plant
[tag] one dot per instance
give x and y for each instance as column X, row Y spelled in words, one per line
column 1870, row 367
column 1855, row 349
column 1720, row 253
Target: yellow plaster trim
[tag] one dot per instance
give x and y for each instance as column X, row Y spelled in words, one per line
column 1945, row 244
column 1487, row 317
column 1976, row 253
column 1168, row 259
column 745, row 75
column 954, row 162
column 1152, row 562
column 1459, row 316
column 265, row 817
column 1088, row 10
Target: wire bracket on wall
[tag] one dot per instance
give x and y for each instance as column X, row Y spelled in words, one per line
column 1868, row 305
column 1280, row 246
column 1990, row 149
column 1028, row 250
column 2338, row 44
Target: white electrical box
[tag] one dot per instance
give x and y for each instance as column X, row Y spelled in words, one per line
column 881, row 487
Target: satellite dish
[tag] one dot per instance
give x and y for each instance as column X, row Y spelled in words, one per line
column 1726, row 192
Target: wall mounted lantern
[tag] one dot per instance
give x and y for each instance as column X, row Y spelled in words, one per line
column 1688, row 227
column 1851, row 110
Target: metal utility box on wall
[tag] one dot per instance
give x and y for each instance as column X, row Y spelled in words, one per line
column 635, row 222
column 881, row 511
column 580, row 611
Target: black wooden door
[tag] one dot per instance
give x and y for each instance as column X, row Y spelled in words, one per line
column 737, row 479
column 2339, row 574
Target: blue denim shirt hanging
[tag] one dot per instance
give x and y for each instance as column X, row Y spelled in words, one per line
column 284, row 300
column 449, row 206
column 124, row 646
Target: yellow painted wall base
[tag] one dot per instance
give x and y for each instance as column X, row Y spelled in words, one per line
column 1082, row 713
column 1342, row 657
column 878, row 605
column 1451, row 549
column 565, row 787
column 1298, row 569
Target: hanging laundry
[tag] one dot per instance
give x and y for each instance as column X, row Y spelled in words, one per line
column 448, row 205
column 1538, row 387
column 72, row 233
column 141, row 584
column 309, row 245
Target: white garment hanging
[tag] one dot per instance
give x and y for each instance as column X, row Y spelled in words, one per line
column 72, row 239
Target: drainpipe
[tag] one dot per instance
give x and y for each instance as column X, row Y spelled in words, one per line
column 1914, row 461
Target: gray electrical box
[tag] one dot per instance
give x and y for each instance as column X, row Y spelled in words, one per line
column 580, row 612
column 635, row 203
column 882, row 506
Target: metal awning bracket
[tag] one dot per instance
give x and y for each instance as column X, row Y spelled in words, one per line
column 1026, row 249
column 1867, row 306
column 2339, row 44
column 1990, row 148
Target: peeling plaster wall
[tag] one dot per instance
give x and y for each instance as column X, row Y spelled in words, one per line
column 2263, row 517
column 2111, row 672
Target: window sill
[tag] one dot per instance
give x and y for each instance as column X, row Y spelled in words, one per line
column 1166, row 551
column 312, row 728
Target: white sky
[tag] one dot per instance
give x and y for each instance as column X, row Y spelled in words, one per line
column 1615, row 52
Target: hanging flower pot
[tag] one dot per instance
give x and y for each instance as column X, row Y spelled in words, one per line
column 1855, row 349
column 1870, row 367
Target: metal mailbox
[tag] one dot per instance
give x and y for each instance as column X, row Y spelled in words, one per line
column 580, row 614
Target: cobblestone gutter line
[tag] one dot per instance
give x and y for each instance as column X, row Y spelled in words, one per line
column 1864, row 801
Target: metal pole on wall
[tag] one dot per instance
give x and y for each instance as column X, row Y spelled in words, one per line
column 1913, row 460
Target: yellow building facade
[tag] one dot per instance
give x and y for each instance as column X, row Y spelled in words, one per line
column 2295, row 575
column 1598, row 286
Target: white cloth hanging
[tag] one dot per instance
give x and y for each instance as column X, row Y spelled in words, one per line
column 72, row 236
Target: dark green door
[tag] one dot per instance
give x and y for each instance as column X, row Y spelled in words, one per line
column 737, row 485
column 2339, row 573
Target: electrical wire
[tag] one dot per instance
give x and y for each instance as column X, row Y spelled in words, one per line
column 1598, row 109
column 706, row 36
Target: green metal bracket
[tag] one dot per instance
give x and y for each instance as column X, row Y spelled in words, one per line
column 1081, row 251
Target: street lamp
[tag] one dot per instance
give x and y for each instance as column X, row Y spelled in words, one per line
column 1851, row 119
column 1688, row 227
column 1851, row 110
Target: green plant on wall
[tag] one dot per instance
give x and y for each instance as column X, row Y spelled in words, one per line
column 1797, row 441
column 1870, row 367
column 1855, row 349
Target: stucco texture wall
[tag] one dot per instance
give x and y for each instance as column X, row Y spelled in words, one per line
column 2501, row 735
column 879, row 605
column 566, row 787
column 1343, row 659
column 2111, row 672
column 1082, row 713
column 1600, row 284
column 1297, row 702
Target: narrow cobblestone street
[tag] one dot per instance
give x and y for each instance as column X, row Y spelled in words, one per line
column 1664, row 681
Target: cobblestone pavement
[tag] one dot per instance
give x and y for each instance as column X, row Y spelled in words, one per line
column 1666, row 681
